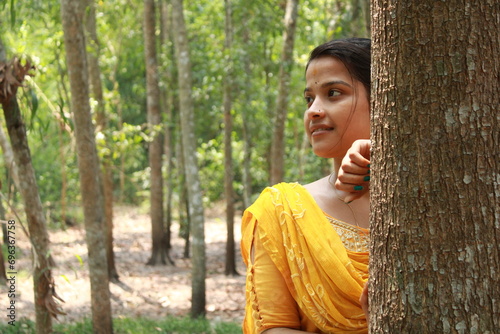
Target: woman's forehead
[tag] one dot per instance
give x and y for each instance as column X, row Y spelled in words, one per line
column 327, row 67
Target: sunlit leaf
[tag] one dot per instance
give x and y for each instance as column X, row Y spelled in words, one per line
column 79, row 259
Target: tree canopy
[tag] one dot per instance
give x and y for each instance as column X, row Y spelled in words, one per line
column 33, row 29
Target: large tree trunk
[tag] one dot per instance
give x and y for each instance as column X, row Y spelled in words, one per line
column 88, row 164
column 43, row 283
column 228, row 150
column 101, row 123
column 435, row 259
column 278, row 142
column 159, row 252
column 190, row 162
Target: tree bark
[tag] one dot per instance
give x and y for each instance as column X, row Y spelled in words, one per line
column 184, row 221
column 230, row 267
column 43, row 283
column 8, row 156
column 278, row 142
column 3, row 274
column 435, row 191
column 167, row 103
column 159, row 252
column 101, row 123
column 189, row 146
column 247, row 120
column 5, row 231
column 88, row 164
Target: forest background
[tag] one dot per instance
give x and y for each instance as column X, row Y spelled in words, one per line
column 33, row 30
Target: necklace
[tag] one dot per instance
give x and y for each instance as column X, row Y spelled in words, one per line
column 332, row 184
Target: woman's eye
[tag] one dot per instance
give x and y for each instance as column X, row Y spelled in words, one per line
column 308, row 99
column 333, row 92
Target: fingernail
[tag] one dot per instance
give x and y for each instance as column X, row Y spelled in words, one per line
column 366, row 178
column 358, row 187
column 368, row 166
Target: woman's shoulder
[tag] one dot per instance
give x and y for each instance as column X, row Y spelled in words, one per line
column 278, row 194
column 272, row 193
column 318, row 187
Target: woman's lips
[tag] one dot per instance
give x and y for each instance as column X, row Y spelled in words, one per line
column 319, row 131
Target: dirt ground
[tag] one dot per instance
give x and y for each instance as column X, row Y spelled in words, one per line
column 143, row 291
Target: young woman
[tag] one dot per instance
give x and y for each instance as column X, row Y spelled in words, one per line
column 306, row 247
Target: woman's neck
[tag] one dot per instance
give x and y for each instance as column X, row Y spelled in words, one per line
column 337, row 162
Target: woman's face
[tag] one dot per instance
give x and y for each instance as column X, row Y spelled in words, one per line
column 338, row 110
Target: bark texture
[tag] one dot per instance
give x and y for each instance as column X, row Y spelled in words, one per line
column 101, row 123
column 230, row 268
column 278, row 142
column 159, row 252
column 43, row 283
column 247, row 120
column 436, row 190
column 189, row 146
column 8, row 156
column 88, row 164
column 167, row 104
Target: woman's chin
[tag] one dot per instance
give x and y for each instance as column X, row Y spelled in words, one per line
column 323, row 154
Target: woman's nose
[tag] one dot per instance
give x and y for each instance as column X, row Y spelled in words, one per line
column 315, row 111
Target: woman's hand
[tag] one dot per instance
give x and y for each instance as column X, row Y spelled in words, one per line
column 354, row 173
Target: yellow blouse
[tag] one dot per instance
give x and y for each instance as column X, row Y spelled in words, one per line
column 301, row 272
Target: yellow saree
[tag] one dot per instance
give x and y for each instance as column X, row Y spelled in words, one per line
column 323, row 277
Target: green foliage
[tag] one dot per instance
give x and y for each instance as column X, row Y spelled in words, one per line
column 133, row 326
column 35, row 31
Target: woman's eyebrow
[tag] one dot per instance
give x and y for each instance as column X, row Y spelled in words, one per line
column 331, row 83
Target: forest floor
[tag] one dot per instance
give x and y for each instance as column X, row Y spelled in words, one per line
column 143, row 291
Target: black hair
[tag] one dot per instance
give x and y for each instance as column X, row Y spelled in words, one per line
column 355, row 53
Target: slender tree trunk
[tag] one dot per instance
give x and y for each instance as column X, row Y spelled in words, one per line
column 278, row 143
column 43, row 283
column 367, row 16
column 246, row 115
column 64, row 174
column 184, row 221
column 247, row 159
column 5, row 238
column 196, row 214
column 5, row 232
column 349, row 19
column 101, row 122
column 167, row 103
column 63, row 96
column 3, row 274
column 88, row 164
column 8, row 157
column 122, row 155
column 159, row 253
column 436, row 197
column 302, row 156
column 228, row 150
